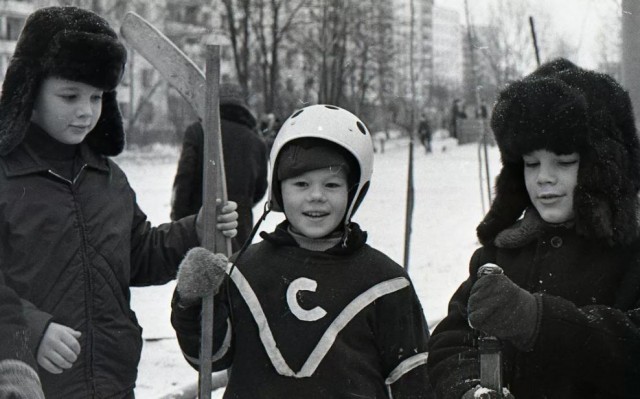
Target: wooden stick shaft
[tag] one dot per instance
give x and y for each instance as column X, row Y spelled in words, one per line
column 214, row 186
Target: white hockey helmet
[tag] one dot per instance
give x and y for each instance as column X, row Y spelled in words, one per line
column 336, row 125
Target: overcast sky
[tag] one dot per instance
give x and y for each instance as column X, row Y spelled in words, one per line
column 581, row 22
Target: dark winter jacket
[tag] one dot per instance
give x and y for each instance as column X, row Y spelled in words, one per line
column 296, row 323
column 588, row 342
column 70, row 248
column 245, row 164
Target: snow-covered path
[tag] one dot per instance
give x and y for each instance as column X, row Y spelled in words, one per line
column 447, row 209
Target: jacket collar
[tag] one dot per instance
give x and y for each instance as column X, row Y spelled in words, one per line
column 23, row 160
column 526, row 230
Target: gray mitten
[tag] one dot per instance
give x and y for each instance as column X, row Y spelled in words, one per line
column 498, row 307
column 18, row 380
column 201, row 272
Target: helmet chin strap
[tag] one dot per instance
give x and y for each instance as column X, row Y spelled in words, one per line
column 254, row 231
column 345, row 234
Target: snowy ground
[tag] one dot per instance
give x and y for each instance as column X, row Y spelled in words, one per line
column 447, row 209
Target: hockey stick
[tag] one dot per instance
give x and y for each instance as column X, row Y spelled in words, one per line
column 490, row 347
column 202, row 94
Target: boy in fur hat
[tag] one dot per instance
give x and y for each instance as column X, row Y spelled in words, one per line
column 564, row 228
column 73, row 239
column 312, row 311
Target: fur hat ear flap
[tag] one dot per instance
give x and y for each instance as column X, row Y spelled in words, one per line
column 606, row 198
column 19, row 91
column 608, row 211
column 511, row 200
column 108, row 136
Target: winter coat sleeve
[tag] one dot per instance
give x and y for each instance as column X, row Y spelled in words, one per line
column 596, row 344
column 187, row 185
column 37, row 321
column 186, row 321
column 402, row 336
column 15, row 335
column 156, row 252
column 453, row 364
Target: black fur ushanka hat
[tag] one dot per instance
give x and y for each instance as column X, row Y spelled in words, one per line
column 68, row 43
column 564, row 109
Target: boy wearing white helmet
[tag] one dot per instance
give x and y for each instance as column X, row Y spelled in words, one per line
column 312, row 310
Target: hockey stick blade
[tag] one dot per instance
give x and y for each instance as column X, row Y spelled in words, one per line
column 169, row 60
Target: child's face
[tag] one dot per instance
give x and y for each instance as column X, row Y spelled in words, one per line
column 551, row 179
column 66, row 109
column 316, row 201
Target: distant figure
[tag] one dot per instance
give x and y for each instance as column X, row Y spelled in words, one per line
column 424, row 133
column 481, row 110
column 455, row 114
column 245, row 161
column 266, row 124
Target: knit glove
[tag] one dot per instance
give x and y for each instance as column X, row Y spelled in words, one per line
column 201, row 272
column 498, row 307
column 480, row 392
column 19, row 381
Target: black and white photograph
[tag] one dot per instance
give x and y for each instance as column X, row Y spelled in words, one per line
column 383, row 199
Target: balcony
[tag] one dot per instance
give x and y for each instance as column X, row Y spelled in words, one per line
column 16, row 8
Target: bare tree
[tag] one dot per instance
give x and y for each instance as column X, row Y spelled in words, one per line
column 257, row 29
column 238, row 14
column 333, row 49
column 383, row 54
column 505, row 44
column 271, row 22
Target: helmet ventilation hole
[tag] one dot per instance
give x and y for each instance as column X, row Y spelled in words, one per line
column 361, row 127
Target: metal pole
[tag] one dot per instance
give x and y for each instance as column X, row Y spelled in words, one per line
column 535, row 40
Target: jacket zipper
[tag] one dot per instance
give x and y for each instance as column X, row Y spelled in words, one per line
column 87, row 273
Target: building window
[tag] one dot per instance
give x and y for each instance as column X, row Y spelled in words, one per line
column 14, row 26
column 147, row 78
column 191, row 15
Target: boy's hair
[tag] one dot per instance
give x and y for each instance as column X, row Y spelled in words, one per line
column 310, row 153
column 564, row 109
column 68, row 43
column 338, row 129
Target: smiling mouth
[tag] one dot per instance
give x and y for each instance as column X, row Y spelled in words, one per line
column 315, row 214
